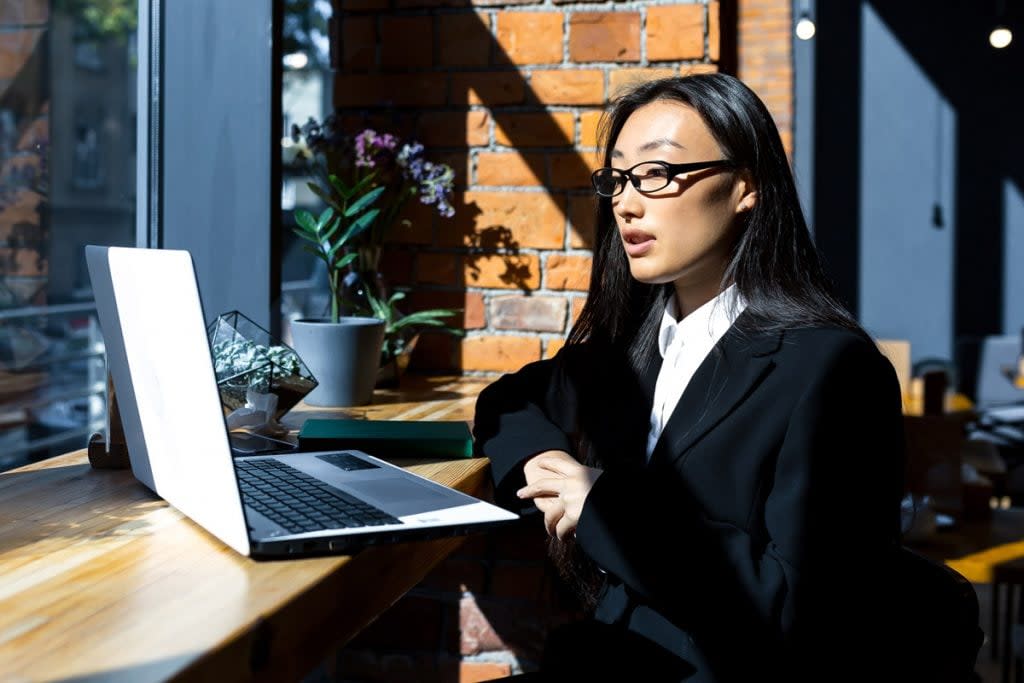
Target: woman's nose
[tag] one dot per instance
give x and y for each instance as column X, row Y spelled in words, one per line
column 629, row 203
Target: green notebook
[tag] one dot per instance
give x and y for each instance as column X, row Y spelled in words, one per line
column 389, row 438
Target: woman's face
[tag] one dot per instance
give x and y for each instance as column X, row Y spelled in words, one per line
column 683, row 233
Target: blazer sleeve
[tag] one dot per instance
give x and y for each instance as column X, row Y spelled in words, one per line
column 522, row 414
column 831, row 513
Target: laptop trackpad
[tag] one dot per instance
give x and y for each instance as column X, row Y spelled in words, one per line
column 403, row 496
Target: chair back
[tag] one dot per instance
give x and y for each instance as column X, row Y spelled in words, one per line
column 938, row 628
column 994, row 387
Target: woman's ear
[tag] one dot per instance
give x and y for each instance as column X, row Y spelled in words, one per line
column 747, row 193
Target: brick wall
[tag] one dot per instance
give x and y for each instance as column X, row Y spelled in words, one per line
column 510, row 93
column 764, row 40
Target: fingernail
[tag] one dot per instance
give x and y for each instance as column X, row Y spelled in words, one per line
column 519, row 493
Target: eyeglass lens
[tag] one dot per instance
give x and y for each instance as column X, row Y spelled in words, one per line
column 649, row 177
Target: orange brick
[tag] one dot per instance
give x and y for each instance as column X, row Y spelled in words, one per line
column 507, row 220
column 359, row 42
column 406, row 42
column 675, row 32
column 470, row 303
column 503, row 271
column 567, row 271
column 404, row 90
column 454, row 129
column 530, row 37
column 581, row 221
column 510, row 168
column 499, row 354
column 577, row 308
column 604, row 36
column 619, row 79
column 437, row 269
column 572, row 169
column 464, row 39
column 552, row 86
column 552, row 347
column 549, row 129
column 473, row 316
column 691, row 69
column 590, row 122
column 490, row 88
column 714, row 37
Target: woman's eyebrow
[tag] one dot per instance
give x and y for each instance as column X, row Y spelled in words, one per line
column 652, row 145
column 659, row 142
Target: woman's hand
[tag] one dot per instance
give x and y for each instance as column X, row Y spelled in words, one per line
column 558, row 485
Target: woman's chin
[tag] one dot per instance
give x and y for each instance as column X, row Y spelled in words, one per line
column 648, row 276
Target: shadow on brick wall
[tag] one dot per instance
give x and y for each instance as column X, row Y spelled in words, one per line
column 445, row 78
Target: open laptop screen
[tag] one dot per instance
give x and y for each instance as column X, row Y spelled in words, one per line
column 157, row 351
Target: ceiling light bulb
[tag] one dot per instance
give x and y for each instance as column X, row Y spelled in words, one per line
column 1000, row 37
column 805, row 28
column 295, row 60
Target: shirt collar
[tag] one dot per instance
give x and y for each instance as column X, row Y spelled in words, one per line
column 704, row 326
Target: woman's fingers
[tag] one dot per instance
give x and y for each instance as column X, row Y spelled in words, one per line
column 558, row 464
column 552, row 518
column 541, row 487
column 564, row 527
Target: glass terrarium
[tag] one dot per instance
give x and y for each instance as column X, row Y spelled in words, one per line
column 246, row 358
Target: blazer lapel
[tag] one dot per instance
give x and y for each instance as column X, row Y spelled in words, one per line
column 731, row 371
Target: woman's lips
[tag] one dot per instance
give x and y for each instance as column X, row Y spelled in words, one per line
column 637, row 242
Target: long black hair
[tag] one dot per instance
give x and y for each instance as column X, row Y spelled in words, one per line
column 774, row 262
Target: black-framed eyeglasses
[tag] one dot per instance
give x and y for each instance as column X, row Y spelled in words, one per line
column 647, row 176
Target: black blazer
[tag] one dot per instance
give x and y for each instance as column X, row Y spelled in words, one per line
column 755, row 543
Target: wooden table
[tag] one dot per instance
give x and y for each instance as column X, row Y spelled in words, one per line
column 974, row 548
column 100, row 578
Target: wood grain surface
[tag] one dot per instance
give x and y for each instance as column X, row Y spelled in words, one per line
column 101, row 580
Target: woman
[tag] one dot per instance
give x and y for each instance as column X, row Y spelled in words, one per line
column 717, row 452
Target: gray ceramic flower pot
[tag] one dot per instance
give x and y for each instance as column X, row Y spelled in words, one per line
column 343, row 357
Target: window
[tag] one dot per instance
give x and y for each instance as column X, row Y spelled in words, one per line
column 67, row 179
column 306, row 92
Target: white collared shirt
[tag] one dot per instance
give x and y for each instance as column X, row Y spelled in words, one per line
column 684, row 344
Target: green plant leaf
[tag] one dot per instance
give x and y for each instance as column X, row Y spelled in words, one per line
column 360, row 224
column 325, row 195
column 363, row 202
column 363, row 183
column 306, row 236
column 329, row 235
column 339, row 186
column 315, row 252
column 343, row 261
column 325, row 218
column 431, row 318
column 306, row 221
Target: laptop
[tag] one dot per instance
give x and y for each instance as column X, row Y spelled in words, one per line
column 269, row 506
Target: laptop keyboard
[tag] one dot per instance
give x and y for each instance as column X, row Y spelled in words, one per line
column 301, row 503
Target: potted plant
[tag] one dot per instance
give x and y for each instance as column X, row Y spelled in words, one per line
column 366, row 180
